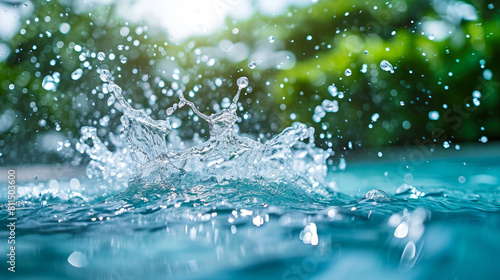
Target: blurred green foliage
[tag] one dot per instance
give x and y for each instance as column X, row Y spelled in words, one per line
column 429, row 75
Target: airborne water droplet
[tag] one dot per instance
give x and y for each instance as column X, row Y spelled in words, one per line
column 332, row 89
column 170, row 111
column 386, row 66
column 105, row 76
column 101, row 56
column 242, row 82
column 77, row 74
column 252, row 65
column 111, row 100
column 330, row 106
column 82, row 56
column 434, row 115
column 225, row 103
column 50, row 83
column 271, row 39
column 348, row 72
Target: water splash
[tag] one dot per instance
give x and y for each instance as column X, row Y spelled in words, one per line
column 290, row 156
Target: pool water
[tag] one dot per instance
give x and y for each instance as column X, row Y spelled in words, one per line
column 442, row 223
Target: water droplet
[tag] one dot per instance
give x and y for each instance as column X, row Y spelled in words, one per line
column 366, row 52
column 105, row 75
column 342, row 164
column 111, row 100
column 124, row 31
column 252, row 65
column 401, row 231
column 64, row 28
column 332, row 89
column 77, row 74
column 348, row 72
column 375, row 117
column 270, row 39
column 461, row 179
column 176, row 123
column 487, row 74
column 123, row 60
column 101, row 56
column 330, row 106
column 319, row 111
column 242, row 82
column 78, row 259
column 74, row 184
column 226, row 102
column 170, row 111
column 386, row 66
column 50, row 82
column 433, row 115
column 82, row 56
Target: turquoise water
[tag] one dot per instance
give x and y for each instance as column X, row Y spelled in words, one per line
column 445, row 224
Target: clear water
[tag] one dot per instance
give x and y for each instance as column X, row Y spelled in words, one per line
column 437, row 229
column 236, row 208
column 153, row 205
